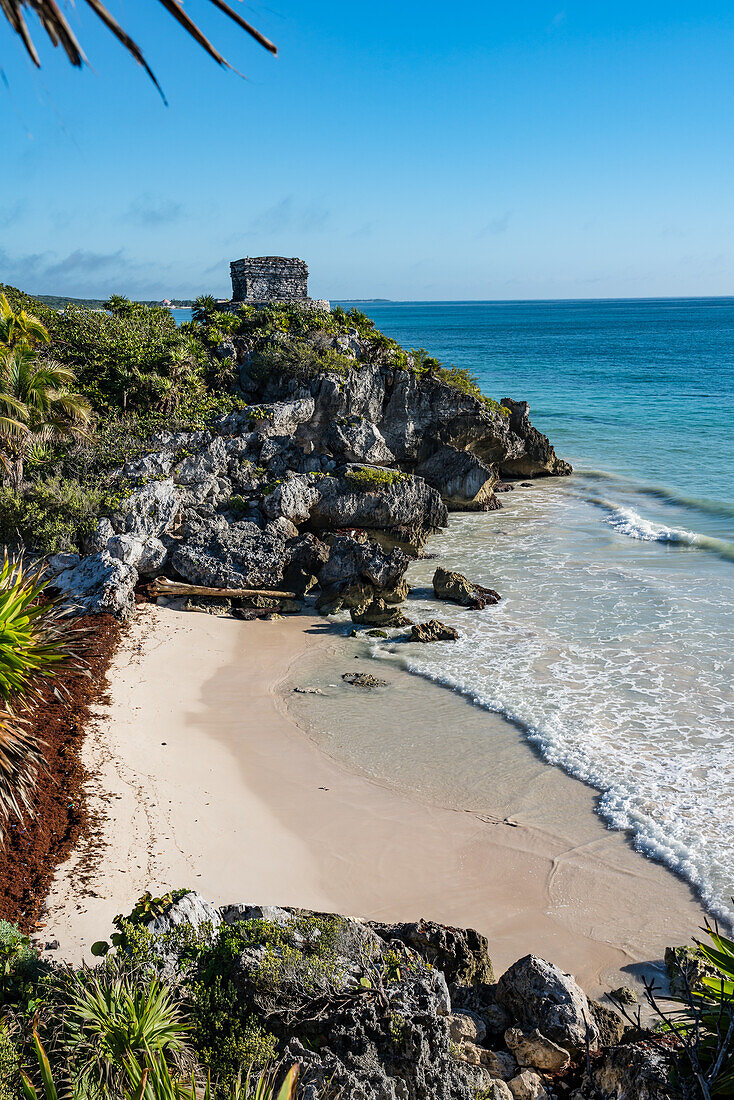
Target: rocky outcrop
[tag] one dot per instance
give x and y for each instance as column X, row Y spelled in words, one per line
column 533, row 1050
column 96, row 584
column 357, row 569
column 357, row 440
column 293, row 500
column 537, row 456
column 609, row 1023
column 465, row 483
column 455, row 588
column 461, row 954
column 359, row 498
column 637, row 1071
column 375, row 1010
column 149, row 511
column 231, row 555
column 527, row 1085
column 375, row 453
column 418, row 416
column 539, row 995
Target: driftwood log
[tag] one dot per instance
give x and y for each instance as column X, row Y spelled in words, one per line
column 163, row 587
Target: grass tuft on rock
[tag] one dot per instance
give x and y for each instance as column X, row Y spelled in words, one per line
column 373, row 478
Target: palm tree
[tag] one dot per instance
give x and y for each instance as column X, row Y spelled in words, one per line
column 57, row 27
column 204, row 309
column 20, row 328
column 37, row 399
column 37, row 405
column 119, row 305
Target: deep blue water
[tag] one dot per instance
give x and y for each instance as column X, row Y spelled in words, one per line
column 642, row 388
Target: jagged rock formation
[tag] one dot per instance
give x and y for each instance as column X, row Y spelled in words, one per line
column 327, row 484
column 379, row 1011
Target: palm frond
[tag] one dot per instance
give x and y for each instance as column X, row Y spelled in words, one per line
column 57, row 27
column 20, row 759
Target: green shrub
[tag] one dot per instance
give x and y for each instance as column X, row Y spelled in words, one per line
column 9, row 1067
column 227, row 1041
column 299, row 359
column 54, row 515
column 129, row 360
column 239, row 505
column 302, row 957
column 23, row 976
column 371, row 479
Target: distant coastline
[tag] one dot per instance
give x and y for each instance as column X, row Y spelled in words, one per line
column 59, row 301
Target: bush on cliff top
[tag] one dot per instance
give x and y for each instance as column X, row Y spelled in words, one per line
column 368, row 479
column 305, row 355
column 130, row 360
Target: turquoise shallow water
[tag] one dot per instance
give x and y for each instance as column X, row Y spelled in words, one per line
column 613, row 645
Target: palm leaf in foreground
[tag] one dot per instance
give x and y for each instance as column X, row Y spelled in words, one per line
column 20, row 759
column 35, row 642
column 56, row 26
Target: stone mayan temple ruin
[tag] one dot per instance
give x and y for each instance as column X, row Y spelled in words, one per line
column 259, row 280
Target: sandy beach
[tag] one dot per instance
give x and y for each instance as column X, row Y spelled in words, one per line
column 202, row 778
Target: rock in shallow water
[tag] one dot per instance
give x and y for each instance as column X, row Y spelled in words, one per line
column 456, row 588
column 363, row 680
column 380, row 613
column 433, row 631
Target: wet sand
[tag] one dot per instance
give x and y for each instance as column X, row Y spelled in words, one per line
column 212, row 773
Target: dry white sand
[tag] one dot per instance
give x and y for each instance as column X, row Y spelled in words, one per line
column 203, row 781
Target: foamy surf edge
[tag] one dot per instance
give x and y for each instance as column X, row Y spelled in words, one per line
column 616, row 805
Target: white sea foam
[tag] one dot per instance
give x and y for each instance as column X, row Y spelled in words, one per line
column 627, row 521
column 616, row 663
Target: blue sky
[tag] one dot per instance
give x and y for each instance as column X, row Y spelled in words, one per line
column 405, row 150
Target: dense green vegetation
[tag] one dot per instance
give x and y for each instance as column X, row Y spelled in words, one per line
column 55, row 301
column 80, row 392
column 85, row 389
column 176, row 999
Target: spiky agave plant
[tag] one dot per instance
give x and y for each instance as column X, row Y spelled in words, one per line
column 150, row 1078
column 33, row 645
column 110, row 1019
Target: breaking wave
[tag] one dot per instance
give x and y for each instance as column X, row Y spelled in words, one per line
column 626, row 521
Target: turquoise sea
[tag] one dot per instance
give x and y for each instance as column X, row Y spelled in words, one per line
column 613, row 646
